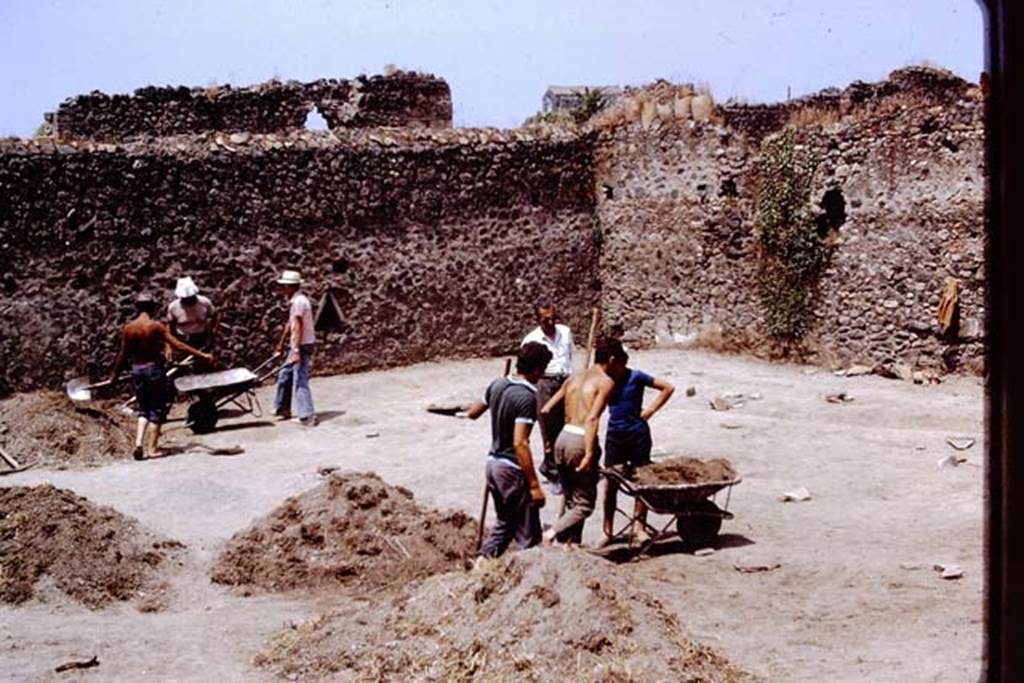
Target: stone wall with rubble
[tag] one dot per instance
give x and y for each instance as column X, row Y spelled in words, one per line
column 400, row 99
column 428, row 240
column 435, row 242
column 902, row 162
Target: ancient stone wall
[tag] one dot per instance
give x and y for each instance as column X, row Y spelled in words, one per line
column 435, row 242
column 400, row 99
column 905, row 161
column 430, row 241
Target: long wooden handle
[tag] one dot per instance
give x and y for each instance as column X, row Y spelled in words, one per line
column 9, row 459
column 595, row 316
column 487, row 491
column 483, row 518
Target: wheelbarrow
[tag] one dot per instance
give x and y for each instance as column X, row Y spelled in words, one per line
column 212, row 391
column 690, row 506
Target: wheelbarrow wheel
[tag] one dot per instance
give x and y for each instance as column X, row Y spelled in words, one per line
column 700, row 524
column 202, row 416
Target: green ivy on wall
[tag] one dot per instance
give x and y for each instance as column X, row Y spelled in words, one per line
column 792, row 256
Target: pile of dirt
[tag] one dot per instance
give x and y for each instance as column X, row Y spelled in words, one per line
column 46, row 427
column 354, row 527
column 542, row 615
column 680, row 469
column 93, row 554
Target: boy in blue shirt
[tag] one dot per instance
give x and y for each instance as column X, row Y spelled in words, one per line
column 627, row 441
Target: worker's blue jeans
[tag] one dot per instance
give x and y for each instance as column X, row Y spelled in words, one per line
column 293, row 378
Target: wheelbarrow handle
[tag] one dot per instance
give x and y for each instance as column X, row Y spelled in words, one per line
column 264, row 364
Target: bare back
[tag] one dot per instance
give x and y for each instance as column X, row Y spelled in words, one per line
column 580, row 392
column 145, row 340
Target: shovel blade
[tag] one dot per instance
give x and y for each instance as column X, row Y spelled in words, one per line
column 79, row 389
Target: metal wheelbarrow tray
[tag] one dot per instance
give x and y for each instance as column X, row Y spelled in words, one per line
column 690, row 506
column 213, row 390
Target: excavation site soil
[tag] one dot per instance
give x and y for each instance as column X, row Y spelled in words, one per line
column 52, row 538
column 342, row 551
column 47, row 428
column 352, row 529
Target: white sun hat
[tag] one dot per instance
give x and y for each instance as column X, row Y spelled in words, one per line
column 185, row 288
column 289, row 277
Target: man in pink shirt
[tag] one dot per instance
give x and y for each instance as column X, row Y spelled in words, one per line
column 293, row 377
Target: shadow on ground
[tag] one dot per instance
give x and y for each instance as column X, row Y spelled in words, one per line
column 670, row 544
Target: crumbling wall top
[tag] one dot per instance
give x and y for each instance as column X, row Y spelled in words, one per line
column 922, row 84
column 667, row 104
column 399, row 99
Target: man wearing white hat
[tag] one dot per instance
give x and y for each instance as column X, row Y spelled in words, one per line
column 192, row 316
column 293, row 377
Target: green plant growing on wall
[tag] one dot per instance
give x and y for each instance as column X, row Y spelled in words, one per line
column 792, row 256
column 592, row 101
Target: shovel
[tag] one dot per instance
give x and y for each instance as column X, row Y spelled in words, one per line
column 80, row 389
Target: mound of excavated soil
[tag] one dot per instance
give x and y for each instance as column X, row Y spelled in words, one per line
column 93, row 554
column 354, row 527
column 48, row 428
column 683, row 470
column 543, row 615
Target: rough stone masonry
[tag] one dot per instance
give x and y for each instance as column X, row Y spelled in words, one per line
column 435, row 241
column 901, row 181
column 398, row 99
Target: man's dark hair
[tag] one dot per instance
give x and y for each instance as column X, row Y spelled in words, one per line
column 145, row 303
column 608, row 348
column 533, row 356
column 541, row 303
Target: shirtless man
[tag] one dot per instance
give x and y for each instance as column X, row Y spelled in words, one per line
column 145, row 340
column 576, row 449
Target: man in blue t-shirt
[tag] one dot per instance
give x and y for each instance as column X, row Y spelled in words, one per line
column 511, row 478
column 627, row 443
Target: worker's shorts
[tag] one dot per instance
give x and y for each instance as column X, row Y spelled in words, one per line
column 632, row 448
column 153, row 392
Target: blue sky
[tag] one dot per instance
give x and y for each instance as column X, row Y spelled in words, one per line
column 498, row 57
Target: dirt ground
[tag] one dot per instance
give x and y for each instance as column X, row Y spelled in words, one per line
column 352, row 530
column 540, row 615
column 48, row 429
column 840, row 587
column 680, row 469
column 52, row 538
